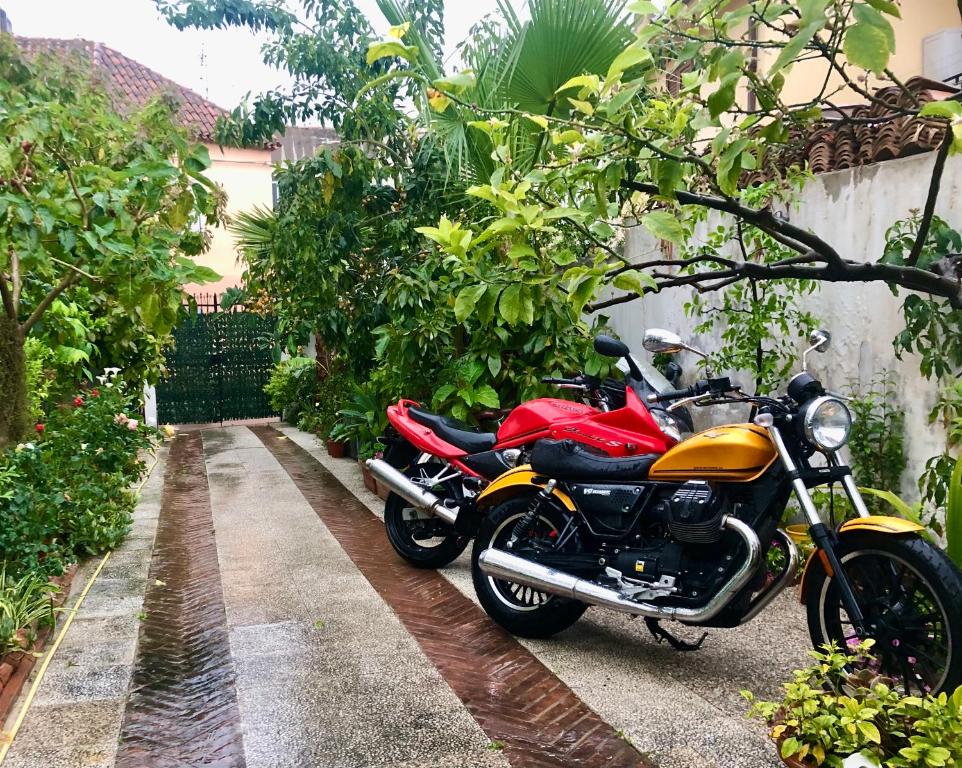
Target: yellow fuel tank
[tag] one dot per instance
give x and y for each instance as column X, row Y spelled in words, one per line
column 732, row 453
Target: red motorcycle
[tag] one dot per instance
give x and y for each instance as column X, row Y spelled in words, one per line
column 435, row 465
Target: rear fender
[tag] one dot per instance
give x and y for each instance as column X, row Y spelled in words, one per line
column 890, row 526
column 515, row 482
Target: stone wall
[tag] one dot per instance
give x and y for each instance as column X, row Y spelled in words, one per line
column 851, row 209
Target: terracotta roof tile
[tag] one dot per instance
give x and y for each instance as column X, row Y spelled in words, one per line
column 133, row 84
column 879, row 135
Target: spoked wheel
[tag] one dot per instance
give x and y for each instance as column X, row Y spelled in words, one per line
column 909, row 592
column 520, row 609
column 423, row 540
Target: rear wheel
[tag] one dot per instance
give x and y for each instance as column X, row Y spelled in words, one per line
column 424, row 540
column 909, row 593
column 519, row 609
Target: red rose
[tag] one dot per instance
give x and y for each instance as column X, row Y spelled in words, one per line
column 78, row 401
column 40, row 427
column 95, row 393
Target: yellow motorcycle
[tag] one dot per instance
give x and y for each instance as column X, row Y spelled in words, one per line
column 687, row 535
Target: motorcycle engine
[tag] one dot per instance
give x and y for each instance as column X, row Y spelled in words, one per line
column 689, row 552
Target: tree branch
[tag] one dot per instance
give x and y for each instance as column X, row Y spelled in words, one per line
column 787, row 234
column 935, row 184
column 47, row 300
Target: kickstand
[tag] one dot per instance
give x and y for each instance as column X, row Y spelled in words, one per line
column 660, row 633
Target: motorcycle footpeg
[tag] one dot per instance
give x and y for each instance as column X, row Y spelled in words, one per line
column 661, row 634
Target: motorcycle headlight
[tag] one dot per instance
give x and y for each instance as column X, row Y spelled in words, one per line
column 667, row 424
column 827, row 423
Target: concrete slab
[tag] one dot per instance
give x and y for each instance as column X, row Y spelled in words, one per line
column 326, row 674
column 682, row 709
column 78, row 709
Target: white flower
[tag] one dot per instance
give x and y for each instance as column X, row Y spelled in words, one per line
column 83, row 446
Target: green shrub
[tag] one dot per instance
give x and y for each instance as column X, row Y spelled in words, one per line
column 331, row 394
column 292, row 386
column 830, row 712
column 66, row 494
column 39, row 378
column 26, row 606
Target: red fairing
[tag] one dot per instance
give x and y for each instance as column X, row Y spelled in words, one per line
column 532, row 420
column 627, row 431
column 419, row 435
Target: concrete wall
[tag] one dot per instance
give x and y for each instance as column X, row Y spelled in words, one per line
column 852, row 210
column 246, row 177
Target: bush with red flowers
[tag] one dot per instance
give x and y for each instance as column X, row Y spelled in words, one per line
column 65, row 495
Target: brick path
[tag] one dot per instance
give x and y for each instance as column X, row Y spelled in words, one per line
column 512, row 695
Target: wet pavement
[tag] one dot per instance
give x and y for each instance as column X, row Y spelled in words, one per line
column 321, row 648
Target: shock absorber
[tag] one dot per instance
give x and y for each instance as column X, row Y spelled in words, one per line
column 524, row 525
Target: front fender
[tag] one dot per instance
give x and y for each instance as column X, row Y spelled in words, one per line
column 514, row 482
column 891, row 526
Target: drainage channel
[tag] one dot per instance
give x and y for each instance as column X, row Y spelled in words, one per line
column 182, row 709
column 516, row 700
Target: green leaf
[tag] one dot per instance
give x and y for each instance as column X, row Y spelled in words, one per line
column 885, row 6
column 485, row 395
column 591, row 82
column 866, row 46
column 539, row 120
column 444, row 392
column 634, row 281
column 584, row 290
column 795, row 46
column 384, row 49
column 628, row 58
column 467, row 300
column 865, row 14
column 494, row 364
column 664, row 226
column 722, row 99
column 946, row 109
column 643, row 8
column 870, row 731
column 582, row 106
column 456, row 83
column 510, row 304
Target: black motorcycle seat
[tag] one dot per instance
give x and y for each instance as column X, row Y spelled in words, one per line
column 464, row 436
column 568, row 460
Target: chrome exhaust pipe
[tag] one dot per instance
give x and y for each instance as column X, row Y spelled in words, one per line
column 773, row 590
column 421, row 498
column 503, row 565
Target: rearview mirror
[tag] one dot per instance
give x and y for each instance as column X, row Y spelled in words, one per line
column 659, row 340
column 820, row 341
column 610, row 347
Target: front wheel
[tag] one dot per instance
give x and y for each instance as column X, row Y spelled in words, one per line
column 522, row 610
column 908, row 591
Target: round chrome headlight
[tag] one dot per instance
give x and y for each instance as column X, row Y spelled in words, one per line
column 827, row 423
column 667, row 423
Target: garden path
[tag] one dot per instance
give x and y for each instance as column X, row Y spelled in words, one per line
column 319, row 647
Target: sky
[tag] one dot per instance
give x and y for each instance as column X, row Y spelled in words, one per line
column 221, row 65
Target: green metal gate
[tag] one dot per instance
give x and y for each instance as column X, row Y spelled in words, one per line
column 218, row 367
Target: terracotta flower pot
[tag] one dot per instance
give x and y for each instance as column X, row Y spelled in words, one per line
column 336, row 449
column 383, row 491
column 369, row 482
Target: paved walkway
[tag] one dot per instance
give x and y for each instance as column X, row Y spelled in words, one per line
column 314, row 645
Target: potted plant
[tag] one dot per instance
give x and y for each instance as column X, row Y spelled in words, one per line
column 336, row 449
column 840, row 713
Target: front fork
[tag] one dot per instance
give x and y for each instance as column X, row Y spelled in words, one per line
column 824, row 537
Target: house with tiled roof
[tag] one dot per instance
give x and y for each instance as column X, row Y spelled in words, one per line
column 244, row 173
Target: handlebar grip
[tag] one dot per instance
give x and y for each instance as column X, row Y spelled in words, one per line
column 551, row 380
column 671, row 394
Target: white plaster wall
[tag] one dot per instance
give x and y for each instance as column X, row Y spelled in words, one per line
column 850, row 209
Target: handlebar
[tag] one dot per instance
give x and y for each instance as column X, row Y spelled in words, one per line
column 717, row 387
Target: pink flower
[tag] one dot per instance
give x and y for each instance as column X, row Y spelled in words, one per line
column 132, row 424
column 78, row 401
column 121, row 418
column 95, row 393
